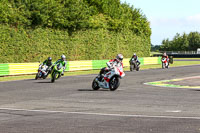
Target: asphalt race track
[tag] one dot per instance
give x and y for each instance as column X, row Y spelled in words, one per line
column 70, row 106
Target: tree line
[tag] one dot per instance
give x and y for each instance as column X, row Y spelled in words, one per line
column 74, row 15
column 184, row 42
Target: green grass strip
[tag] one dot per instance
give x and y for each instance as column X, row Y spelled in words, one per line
column 175, row 64
column 98, row 64
column 4, row 69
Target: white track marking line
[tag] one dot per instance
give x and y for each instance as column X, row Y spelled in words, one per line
column 14, row 80
column 174, row 111
column 95, row 74
column 103, row 114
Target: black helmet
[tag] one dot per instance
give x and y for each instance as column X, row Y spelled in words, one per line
column 49, row 59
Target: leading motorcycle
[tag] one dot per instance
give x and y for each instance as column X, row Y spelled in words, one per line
column 110, row 79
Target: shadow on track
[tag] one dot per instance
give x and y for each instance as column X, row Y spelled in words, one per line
column 196, row 90
column 93, row 90
column 47, row 82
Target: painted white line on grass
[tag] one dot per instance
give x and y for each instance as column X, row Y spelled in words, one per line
column 103, row 114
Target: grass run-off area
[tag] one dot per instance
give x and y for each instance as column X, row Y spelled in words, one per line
column 175, row 64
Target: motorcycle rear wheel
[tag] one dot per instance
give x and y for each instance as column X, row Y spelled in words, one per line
column 114, row 83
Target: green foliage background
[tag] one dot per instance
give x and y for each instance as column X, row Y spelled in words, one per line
column 184, row 42
column 32, row 30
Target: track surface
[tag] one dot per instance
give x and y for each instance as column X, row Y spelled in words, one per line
column 70, row 106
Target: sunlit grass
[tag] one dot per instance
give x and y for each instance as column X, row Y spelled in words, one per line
column 187, row 58
column 175, row 64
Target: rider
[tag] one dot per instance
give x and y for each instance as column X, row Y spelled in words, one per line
column 47, row 62
column 165, row 56
column 135, row 58
column 63, row 62
column 110, row 64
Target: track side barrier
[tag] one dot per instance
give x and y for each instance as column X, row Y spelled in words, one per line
column 31, row 68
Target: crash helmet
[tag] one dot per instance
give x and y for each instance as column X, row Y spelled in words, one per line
column 164, row 54
column 49, row 59
column 134, row 54
column 63, row 57
column 119, row 57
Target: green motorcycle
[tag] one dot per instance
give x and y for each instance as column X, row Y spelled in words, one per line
column 56, row 72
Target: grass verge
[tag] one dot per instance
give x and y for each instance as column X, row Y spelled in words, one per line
column 175, row 64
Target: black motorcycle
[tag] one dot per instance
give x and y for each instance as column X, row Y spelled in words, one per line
column 134, row 65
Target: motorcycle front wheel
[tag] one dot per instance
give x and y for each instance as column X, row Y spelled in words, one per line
column 95, row 85
column 163, row 65
column 131, row 67
column 114, row 83
column 37, row 76
column 54, row 74
column 138, row 68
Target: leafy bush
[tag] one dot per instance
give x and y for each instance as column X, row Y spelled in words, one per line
column 81, row 29
column 36, row 45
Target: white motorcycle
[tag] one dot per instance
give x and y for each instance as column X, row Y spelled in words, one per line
column 110, row 79
column 42, row 72
column 165, row 63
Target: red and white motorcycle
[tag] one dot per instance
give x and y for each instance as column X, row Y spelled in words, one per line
column 165, row 63
column 42, row 72
column 110, row 79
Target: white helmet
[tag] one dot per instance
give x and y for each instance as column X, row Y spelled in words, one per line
column 119, row 57
column 63, row 57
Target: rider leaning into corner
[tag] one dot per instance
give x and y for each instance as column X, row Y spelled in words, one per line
column 113, row 62
column 47, row 62
column 63, row 62
column 135, row 58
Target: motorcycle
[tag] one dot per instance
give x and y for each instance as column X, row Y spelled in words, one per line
column 109, row 81
column 56, row 72
column 42, row 72
column 133, row 65
column 165, row 63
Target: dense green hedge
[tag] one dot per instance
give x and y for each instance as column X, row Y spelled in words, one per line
column 32, row 30
column 20, row 45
